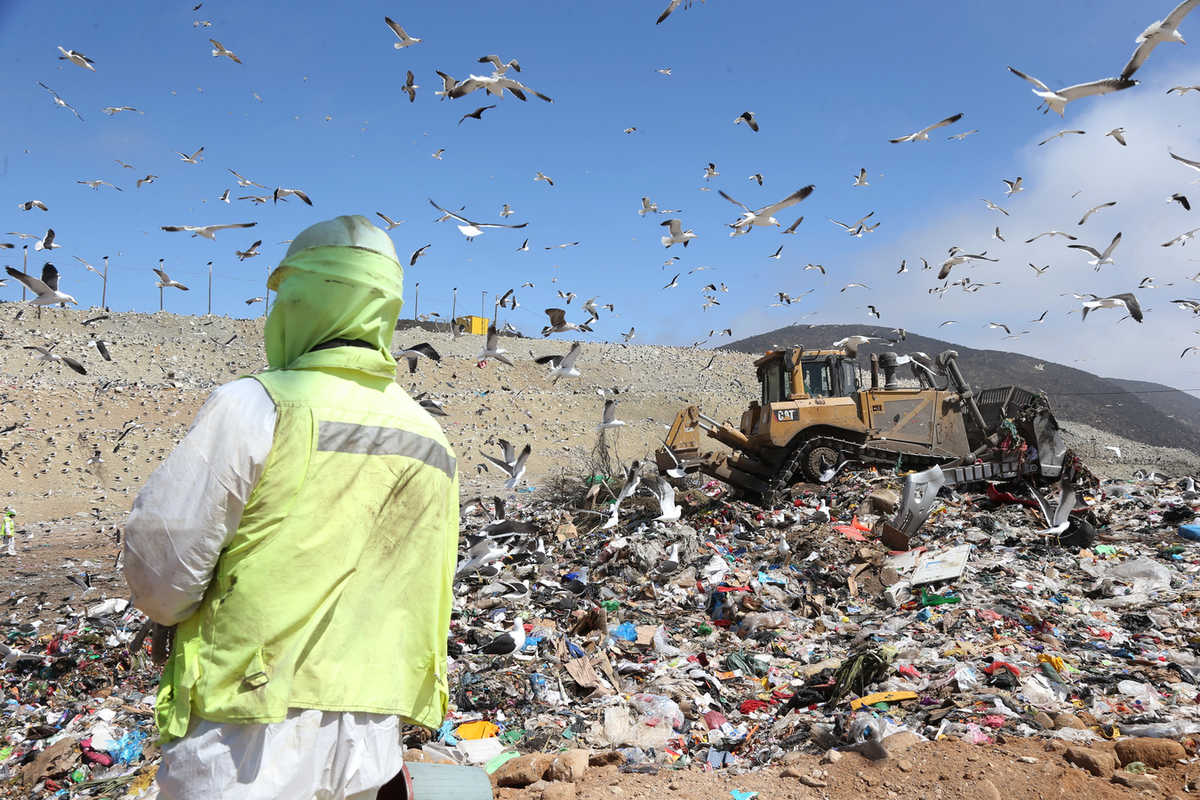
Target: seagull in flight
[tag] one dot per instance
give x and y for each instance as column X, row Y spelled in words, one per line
column 1161, row 30
column 1055, row 136
column 46, row 354
column 923, row 134
column 220, row 50
column 1181, row 199
column 994, row 207
column 1013, row 186
column 417, row 352
column 511, row 464
column 608, row 418
column 283, row 193
column 471, row 229
column 1183, row 238
column 677, row 234
column 249, row 252
column 792, row 228
column 32, row 204
column 1094, row 209
column 1039, row 270
column 46, row 242
column 1118, row 134
column 861, row 178
column 1183, row 89
column 164, row 280
column 764, row 216
column 494, row 85
column 476, row 114
column 562, row 366
column 1124, row 300
column 405, row 39
column 207, row 231
column 957, row 257
column 388, row 221
column 410, row 87
column 96, row 184
column 58, row 101
column 674, row 4
column 1100, row 258
column 541, row 177
column 77, row 58
column 960, row 136
column 242, row 180
column 1057, row 100
column 43, row 294
column 195, row 158
column 492, row 349
column 1051, row 233
column 748, row 118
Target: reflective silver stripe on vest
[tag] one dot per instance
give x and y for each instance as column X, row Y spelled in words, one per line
column 375, row 440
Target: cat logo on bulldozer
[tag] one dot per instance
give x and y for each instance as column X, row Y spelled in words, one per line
column 785, row 414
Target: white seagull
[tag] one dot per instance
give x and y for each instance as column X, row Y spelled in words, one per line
column 76, row 57
column 514, row 467
column 220, row 50
column 164, row 280
column 609, row 418
column 1057, row 100
column 194, row 158
column 1124, row 300
column 507, row 643
column 1161, row 30
column 678, row 234
column 207, row 231
column 664, row 492
column 388, row 221
column 405, row 39
column 1100, row 258
column 764, row 216
column 471, row 229
column 45, row 354
column 492, row 349
column 44, row 295
column 923, row 134
column 46, row 242
column 562, row 366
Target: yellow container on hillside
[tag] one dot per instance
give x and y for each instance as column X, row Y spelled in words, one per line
column 473, row 324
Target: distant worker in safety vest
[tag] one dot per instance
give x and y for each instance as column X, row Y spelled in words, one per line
column 302, row 540
column 8, row 537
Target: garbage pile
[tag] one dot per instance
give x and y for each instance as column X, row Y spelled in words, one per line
column 693, row 630
column 77, row 713
column 734, row 635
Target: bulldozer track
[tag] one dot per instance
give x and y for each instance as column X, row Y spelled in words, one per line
column 794, row 463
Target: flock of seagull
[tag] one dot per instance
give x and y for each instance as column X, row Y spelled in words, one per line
column 501, row 80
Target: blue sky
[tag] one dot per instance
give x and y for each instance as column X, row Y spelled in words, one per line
column 828, row 90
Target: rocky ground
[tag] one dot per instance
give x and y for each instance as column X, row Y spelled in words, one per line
column 74, row 450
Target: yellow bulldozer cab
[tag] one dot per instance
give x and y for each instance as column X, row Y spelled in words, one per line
column 821, row 373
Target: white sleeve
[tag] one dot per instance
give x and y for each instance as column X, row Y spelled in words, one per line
column 192, row 504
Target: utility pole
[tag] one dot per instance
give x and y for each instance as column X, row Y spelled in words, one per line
column 483, row 305
column 210, row 288
column 104, row 289
column 267, row 296
column 453, row 307
column 416, row 299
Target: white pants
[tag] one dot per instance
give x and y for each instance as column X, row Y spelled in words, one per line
column 311, row 754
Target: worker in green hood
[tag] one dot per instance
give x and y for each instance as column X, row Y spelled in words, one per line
column 301, row 541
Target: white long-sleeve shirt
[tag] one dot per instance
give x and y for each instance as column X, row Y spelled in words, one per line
column 190, row 507
column 182, row 519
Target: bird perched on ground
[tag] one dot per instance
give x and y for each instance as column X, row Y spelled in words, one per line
column 44, row 295
column 923, row 134
column 1124, row 300
column 417, row 352
column 507, row 643
column 562, row 366
column 748, row 118
column 47, row 354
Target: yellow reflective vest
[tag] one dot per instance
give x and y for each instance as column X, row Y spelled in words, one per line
column 335, row 591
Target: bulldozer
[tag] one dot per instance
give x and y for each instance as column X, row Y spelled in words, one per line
column 815, row 417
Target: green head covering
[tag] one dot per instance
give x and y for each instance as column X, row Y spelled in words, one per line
column 340, row 279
